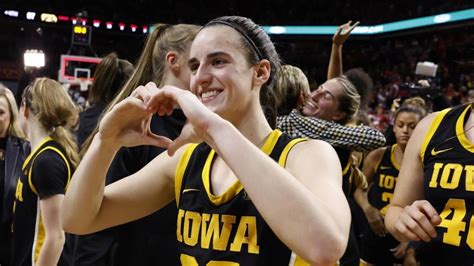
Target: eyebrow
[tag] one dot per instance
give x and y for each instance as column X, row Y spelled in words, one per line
column 326, row 91
column 209, row 56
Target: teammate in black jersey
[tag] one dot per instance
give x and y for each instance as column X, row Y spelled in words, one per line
column 433, row 200
column 38, row 237
column 302, row 205
column 381, row 169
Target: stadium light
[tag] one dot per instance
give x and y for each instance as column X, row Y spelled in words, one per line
column 34, row 58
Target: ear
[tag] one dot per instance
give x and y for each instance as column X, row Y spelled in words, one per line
column 24, row 111
column 301, row 99
column 172, row 60
column 262, row 72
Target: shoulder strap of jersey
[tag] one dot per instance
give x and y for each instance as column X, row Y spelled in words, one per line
column 30, row 179
column 286, row 151
column 431, row 131
column 181, row 169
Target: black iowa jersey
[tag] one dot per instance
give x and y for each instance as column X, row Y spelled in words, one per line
column 226, row 229
column 45, row 172
column 345, row 159
column 383, row 186
column 448, row 160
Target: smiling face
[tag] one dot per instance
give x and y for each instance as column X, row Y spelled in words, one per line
column 221, row 75
column 323, row 103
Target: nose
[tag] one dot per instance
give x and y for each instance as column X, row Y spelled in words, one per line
column 202, row 77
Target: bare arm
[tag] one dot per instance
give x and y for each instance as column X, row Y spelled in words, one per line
column 409, row 217
column 359, row 138
column 307, row 193
column 335, row 62
column 54, row 235
column 88, row 206
column 373, row 214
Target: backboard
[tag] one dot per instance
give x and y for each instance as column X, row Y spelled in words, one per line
column 74, row 68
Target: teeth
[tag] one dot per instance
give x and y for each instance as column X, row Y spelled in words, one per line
column 209, row 94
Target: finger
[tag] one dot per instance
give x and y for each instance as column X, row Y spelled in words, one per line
column 353, row 26
column 408, row 219
column 424, row 222
column 176, row 144
column 156, row 140
column 141, row 93
column 429, row 211
column 405, row 232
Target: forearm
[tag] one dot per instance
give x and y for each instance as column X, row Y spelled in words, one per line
column 360, row 138
column 283, row 201
column 360, row 196
column 86, row 191
column 335, row 62
column 51, row 250
column 392, row 215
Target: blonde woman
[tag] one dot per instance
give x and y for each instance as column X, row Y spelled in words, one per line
column 38, row 238
column 13, row 150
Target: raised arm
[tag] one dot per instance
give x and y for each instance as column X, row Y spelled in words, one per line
column 335, row 61
column 88, row 206
column 359, row 138
column 409, row 216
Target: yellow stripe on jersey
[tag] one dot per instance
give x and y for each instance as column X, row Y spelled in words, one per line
column 236, row 187
column 179, row 174
column 30, row 180
column 286, row 150
column 40, row 235
column 27, row 160
column 393, row 159
column 271, row 141
column 460, row 131
column 434, row 125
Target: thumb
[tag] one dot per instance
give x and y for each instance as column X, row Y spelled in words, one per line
column 176, row 144
column 156, row 140
column 435, row 219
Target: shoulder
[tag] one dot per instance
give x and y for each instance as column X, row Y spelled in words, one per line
column 49, row 158
column 310, row 150
column 377, row 154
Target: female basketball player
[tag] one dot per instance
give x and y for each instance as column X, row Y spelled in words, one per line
column 152, row 239
column 235, row 204
column 433, row 200
column 38, row 237
column 381, row 168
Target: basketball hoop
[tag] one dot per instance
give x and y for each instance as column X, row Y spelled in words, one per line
column 84, row 83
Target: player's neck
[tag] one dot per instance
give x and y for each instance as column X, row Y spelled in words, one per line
column 36, row 135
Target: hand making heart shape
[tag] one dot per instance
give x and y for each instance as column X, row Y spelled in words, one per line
column 128, row 123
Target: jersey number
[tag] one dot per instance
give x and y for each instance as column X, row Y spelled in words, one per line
column 191, row 261
column 456, row 210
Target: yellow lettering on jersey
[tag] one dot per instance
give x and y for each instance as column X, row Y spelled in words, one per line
column 382, row 178
column 246, row 234
column 452, row 219
column 434, row 176
column 179, row 224
column 469, row 177
column 19, row 191
column 387, row 181
column 453, row 182
column 219, row 239
column 192, row 223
